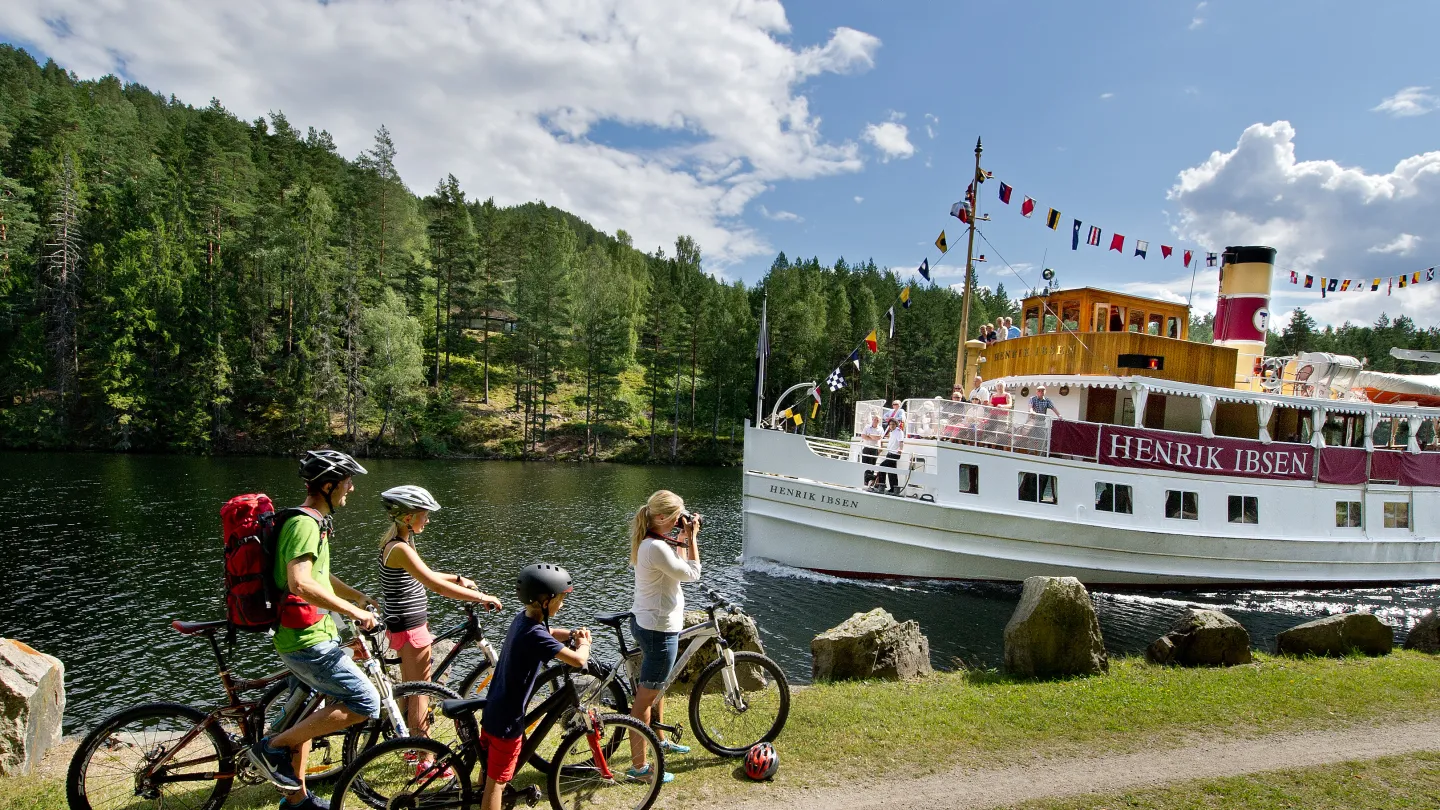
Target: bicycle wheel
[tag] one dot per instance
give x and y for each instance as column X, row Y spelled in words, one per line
column 613, row 699
column 389, row 777
column 577, row 781
column 436, row 726
column 477, row 683
column 326, row 753
column 115, row 765
column 728, row 725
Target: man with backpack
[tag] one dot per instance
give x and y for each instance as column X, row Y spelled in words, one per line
column 307, row 638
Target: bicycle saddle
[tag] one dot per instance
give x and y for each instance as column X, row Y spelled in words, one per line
column 454, row 709
column 613, row 619
column 192, row 628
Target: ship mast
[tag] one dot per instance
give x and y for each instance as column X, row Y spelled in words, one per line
column 969, row 286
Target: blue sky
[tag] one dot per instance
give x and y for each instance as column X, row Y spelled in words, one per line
column 745, row 124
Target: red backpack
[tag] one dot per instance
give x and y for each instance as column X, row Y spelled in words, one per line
column 251, row 526
column 252, row 602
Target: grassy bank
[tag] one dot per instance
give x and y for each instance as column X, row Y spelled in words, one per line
column 1411, row 781
column 980, row 719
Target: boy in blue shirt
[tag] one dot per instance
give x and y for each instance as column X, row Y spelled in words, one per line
column 529, row 646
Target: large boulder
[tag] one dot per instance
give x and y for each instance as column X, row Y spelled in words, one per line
column 1425, row 635
column 32, row 702
column 1054, row 631
column 738, row 630
column 1202, row 638
column 1337, row 636
column 870, row 646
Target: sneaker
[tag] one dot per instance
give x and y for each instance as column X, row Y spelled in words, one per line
column 426, row 768
column 274, row 765
column 644, row 774
column 310, row 802
column 673, row 747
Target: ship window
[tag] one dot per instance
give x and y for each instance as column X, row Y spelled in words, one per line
column 1397, row 515
column 1244, row 509
column 1137, row 321
column 1037, row 488
column 970, row 479
column 1156, row 323
column 1070, row 316
column 1182, row 505
column 1113, row 498
column 1347, row 514
column 1172, row 328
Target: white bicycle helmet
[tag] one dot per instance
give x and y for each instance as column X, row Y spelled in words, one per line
column 409, row 498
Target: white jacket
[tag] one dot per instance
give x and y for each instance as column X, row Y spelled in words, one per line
column 659, row 603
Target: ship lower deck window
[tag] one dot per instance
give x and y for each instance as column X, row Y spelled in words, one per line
column 1182, row 505
column 970, row 479
column 1397, row 515
column 1037, row 488
column 1244, row 509
column 1114, row 498
column 1348, row 515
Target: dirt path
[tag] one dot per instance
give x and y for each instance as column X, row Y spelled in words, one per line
column 1049, row 779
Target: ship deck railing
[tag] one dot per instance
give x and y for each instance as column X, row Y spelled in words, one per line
column 941, row 420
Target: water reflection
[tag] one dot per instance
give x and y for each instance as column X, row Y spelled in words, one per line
column 104, row 551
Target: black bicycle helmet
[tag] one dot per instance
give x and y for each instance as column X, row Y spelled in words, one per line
column 541, row 581
column 322, row 466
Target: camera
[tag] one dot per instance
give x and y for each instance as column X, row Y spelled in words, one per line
column 686, row 518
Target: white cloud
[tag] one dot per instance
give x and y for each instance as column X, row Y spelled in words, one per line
column 780, row 216
column 507, row 96
column 1408, row 102
column 1197, row 20
column 1106, row 96
column 1402, row 245
column 859, row 199
column 892, row 138
column 1323, row 218
column 932, row 125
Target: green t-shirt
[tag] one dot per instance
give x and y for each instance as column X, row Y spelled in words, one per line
column 300, row 537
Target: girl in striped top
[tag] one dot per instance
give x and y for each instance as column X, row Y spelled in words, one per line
column 405, row 579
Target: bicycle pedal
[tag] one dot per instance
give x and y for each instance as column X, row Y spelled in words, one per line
column 677, row 731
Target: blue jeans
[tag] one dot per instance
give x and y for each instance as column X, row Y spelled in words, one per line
column 657, row 654
column 328, row 670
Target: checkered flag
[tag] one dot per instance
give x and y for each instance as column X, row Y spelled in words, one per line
column 836, row 381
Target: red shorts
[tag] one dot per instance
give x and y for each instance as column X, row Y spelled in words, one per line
column 501, row 756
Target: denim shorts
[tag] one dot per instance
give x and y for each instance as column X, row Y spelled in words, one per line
column 328, row 670
column 657, row 654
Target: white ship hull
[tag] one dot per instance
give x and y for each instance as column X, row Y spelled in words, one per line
column 805, row 506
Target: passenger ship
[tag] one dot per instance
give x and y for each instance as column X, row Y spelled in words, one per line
column 1172, row 463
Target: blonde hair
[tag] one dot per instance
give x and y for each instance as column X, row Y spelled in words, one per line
column 392, row 532
column 663, row 503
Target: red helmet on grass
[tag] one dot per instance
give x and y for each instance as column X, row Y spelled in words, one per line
column 761, row 761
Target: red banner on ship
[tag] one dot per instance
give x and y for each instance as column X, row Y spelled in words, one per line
column 1180, row 452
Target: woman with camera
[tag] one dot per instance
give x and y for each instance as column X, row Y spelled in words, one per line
column 661, row 563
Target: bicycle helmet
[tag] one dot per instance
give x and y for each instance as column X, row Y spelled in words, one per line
column 541, row 581
column 761, row 761
column 408, row 498
column 323, row 466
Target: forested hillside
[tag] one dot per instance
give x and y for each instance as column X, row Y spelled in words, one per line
column 177, row 279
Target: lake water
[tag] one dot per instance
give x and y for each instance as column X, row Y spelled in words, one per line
column 101, row 552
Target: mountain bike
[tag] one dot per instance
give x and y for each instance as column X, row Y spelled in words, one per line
column 739, row 699
column 172, row 754
column 467, row 635
column 587, row 770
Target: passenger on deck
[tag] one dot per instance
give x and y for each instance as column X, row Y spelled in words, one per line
column 978, row 389
column 999, row 398
column 1000, row 331
column 889, row 482
column 1011, row 330
column 1040, row 403
column 870, row 438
